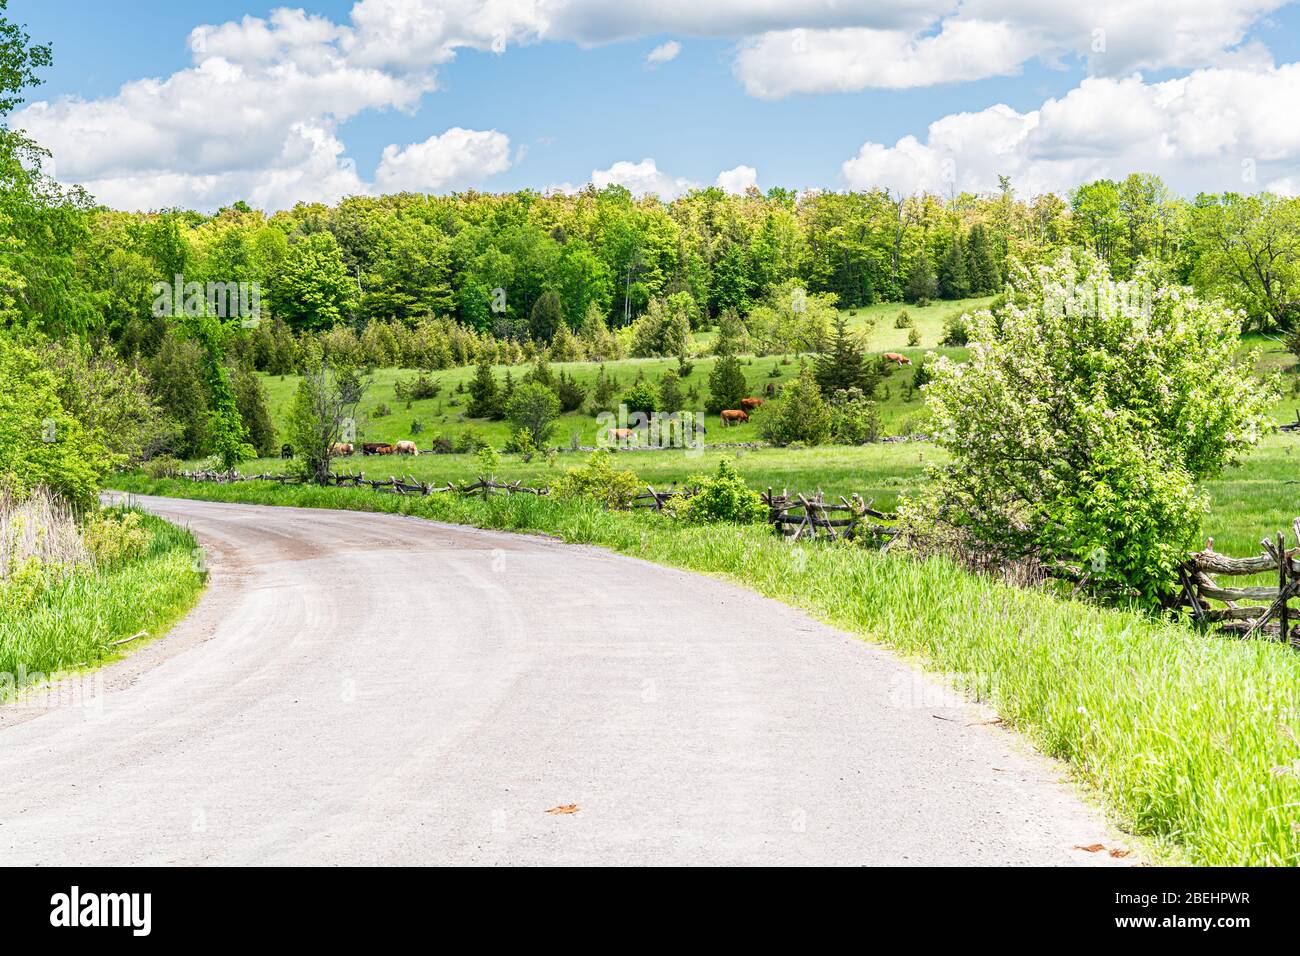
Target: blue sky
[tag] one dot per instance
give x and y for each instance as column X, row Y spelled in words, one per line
column 569, row 108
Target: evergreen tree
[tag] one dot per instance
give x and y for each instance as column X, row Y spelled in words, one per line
column 726, row 384
column 546, row 317
column 484, row 396
column 921, row 285
column 954, row 280
column 982, row 263
column 844, row 365
column 670, row 392
column 602, row 394
column 250, row 399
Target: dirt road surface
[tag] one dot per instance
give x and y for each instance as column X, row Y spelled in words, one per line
column 374, row 689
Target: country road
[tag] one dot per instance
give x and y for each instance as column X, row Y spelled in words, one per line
column 374, row 689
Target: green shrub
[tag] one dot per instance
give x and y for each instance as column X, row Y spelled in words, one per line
column 904, row 321
column 641, row 397
column 955, row 330
column 41, row 444
column 855, row 419
column 534, row 408
column 115, row 536
column 598, row 480
column 416, row 389
column 800, row 414
column 722, row 497
column 1079, row 429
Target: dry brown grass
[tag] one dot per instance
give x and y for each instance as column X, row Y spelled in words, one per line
column 39, row 526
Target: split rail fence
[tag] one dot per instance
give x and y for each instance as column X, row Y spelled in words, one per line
column 1273, row 618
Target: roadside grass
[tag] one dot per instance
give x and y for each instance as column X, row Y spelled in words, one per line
column 879, row 471
column 74, row 624
column 1189, row 740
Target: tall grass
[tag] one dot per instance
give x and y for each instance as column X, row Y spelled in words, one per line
column 76, row 616
column 1188, row 739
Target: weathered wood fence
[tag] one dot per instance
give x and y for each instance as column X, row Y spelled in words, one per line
column 797, row 516
column 1273, row 618
column 792, row 514
column 483, row 487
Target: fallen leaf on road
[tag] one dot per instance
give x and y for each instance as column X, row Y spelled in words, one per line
column 566, row 808
column 1119, row 853
column 1091, row 848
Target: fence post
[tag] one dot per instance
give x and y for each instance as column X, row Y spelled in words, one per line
column 1283, row 583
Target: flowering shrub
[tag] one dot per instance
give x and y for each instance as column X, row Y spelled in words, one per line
column 1087, row 413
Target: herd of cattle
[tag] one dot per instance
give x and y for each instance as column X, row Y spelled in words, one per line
column 344, row 449
column 729, row 416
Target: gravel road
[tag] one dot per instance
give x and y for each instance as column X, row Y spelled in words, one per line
column 374, row 689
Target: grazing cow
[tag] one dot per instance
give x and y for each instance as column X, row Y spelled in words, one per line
column 376, row 448
column 286, row 451
column 406, row 448
column 341, row 449
column 769, row 390
column 734, row 416
column 750, row 404
column 895, row 357
column 623, row 434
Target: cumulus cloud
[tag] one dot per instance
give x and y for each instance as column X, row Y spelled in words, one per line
column 642, row 179
column 983, row 38
column 257, row 113
column 1213, row 129
column 663, row 53
column 455, row 158
column 738, row 180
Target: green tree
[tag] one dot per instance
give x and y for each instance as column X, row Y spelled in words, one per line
column 41, row 444
column 843, row 364
column 671, row 398
column 954, row 280
column 250, row 399
column 1079, row 435
column 484, row 394
column 547, row 316
column 323, row 414
column 533, row 408
column 726, row 384
column 800, row 414
column 312, row 290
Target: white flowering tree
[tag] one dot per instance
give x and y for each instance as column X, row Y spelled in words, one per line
column 1085, row 417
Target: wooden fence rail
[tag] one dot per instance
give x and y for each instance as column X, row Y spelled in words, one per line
column 1272, row 619
column 798, row 516
column 795, row 515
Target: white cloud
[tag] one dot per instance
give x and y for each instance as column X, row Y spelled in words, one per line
column 983, row 38
column 738, row 180
column 642, row 179
column 663, row 53
column 258, row 112
column 1214, row 129
column 453, row 159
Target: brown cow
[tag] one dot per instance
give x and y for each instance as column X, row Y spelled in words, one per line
column 895, row 357
column 734, row 416
column 623, row 434
column 341, row 449
column 376, row 448
column 750, row 404
column 406, row 448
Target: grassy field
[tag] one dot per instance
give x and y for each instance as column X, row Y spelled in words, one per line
column 74, row 624
column 1186, row 738
column 383, row 417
